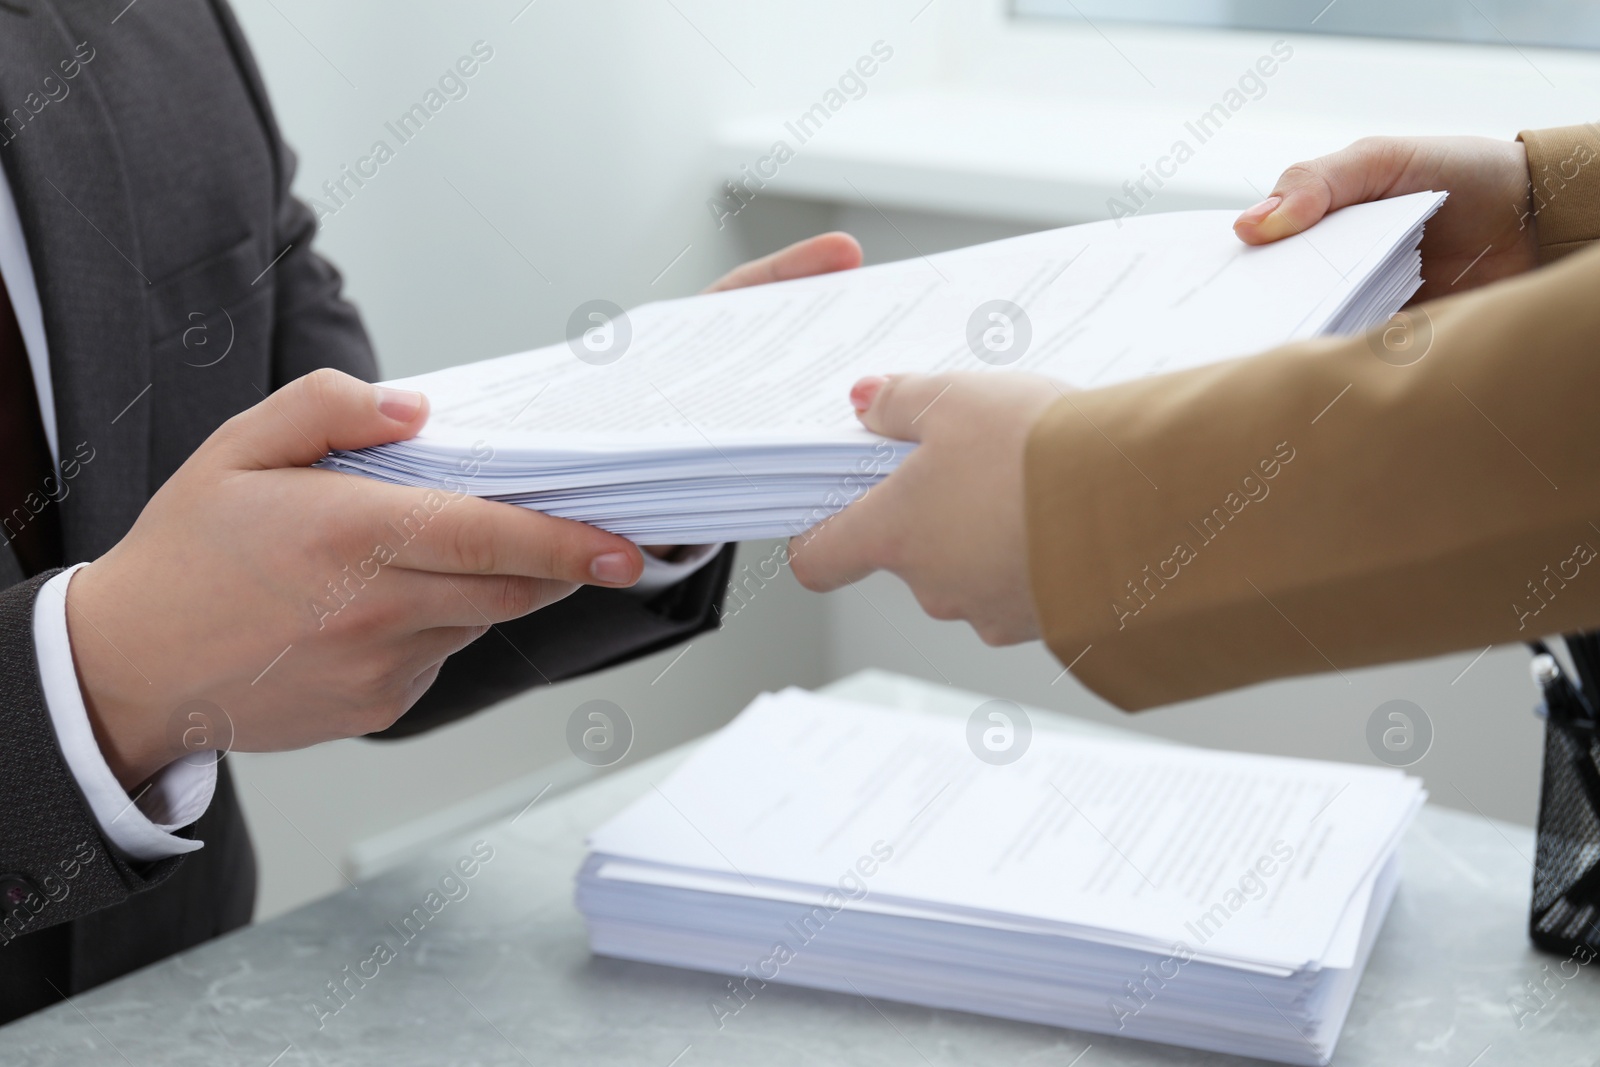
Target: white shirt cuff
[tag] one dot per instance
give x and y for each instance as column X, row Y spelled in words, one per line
column 140, row 827
column 658, row 574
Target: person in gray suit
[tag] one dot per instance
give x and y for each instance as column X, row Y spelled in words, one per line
column 145, row 192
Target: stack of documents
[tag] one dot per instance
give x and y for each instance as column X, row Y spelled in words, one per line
column 725, row 416
column 1209, row 899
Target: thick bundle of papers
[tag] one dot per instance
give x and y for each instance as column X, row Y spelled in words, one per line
column 1214, row 900
column 725, row 416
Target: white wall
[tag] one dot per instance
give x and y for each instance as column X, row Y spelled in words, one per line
column 578, row 166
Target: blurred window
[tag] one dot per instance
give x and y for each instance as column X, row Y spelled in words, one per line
column 1554, row 23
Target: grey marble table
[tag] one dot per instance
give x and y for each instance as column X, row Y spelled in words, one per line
column 501, row 974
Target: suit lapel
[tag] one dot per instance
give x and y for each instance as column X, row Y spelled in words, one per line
column 73, row 196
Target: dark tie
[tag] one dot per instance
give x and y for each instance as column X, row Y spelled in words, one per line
column 30, row 520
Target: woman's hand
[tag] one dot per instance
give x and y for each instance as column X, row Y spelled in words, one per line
column 1483, row 233
column 950, row 521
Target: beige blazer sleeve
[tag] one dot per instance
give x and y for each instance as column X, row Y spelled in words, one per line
column 1340, row 502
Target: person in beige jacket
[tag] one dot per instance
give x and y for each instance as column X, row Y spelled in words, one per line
column 1431, row 487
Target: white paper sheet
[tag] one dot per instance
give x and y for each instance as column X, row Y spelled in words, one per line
column 1132, row 844
column 1107, row 303
column 748, row 388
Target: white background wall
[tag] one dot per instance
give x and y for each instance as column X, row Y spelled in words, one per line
column 579, row 165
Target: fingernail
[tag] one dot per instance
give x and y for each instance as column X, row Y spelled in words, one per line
column 613, row 568
column 401, row 405
column 864, row 392
column 1255, row 215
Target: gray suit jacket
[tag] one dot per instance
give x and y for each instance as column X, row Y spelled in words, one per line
column 153, row 186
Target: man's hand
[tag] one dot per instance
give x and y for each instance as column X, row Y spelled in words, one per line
column 950, row 521
column 1484, row 232
column 822, row 254
column 308, row 605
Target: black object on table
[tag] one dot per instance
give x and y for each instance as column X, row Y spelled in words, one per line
column 1565, row 915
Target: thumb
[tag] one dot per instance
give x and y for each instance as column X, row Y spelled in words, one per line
column 894, row 406
column 1367, row 170
column 316, row 414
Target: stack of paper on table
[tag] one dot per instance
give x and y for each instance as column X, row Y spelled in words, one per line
column 1210, row 899
column 725, row 416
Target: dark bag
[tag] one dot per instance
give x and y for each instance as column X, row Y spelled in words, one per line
column 1565, row 916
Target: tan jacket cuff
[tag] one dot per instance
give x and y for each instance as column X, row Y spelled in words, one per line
column 1564, row 166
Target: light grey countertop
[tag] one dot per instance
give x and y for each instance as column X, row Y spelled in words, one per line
column 502, row 974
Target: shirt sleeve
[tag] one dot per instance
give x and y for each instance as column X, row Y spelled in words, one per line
column 140, row 826
column 658, row 574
